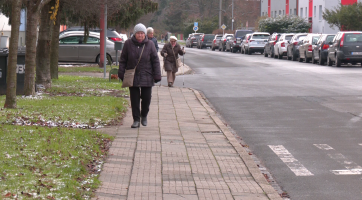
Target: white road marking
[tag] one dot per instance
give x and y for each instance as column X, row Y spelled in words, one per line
column 290, row 161
column 360, row 144
column 352, row 168
column 323, row 146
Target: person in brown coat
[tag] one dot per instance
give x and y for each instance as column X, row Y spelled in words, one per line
column 170, row 53
column 147, row 72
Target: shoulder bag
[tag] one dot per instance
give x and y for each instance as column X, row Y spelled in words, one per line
column 178, row 60
column 129, row 74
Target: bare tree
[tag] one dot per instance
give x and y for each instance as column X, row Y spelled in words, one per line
column 11, row 80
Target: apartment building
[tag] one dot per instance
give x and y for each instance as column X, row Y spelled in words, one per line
column 311, row 10
column 5, row 30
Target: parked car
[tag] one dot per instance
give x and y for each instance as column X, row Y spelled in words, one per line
column 346, row 47
column 73, row 49
column 245, row 43
column 306, row 48
column 293, row 46
column 215, row 42
column 280, row 48
column 188, row 41
column 123, row 36
column 257, row 42
column 111, row 33
column 239, row 36
column 223, row 40
column 320, row 51
column 193, row 39
column 269, row 46
column 205, row 41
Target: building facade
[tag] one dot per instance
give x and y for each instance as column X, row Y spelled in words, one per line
column 5, row 29
column 311, row 10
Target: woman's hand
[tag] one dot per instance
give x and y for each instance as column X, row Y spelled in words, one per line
column 164, row 54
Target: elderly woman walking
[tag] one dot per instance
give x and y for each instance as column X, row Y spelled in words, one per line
column 150, row 36
column 170, row 54
column 139, row 52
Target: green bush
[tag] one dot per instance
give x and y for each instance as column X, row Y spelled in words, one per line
column 284, row 24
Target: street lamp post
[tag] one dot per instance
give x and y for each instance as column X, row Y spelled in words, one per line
column 232, row 15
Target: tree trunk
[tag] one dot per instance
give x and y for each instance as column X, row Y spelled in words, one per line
column 43, row 49
column 54, row 48
column 30, row 54
column 11, row 80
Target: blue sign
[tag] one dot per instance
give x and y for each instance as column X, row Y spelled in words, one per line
column 196, row 28
column 196, row 24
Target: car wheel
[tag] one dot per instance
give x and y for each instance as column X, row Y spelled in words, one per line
column 320, row 61
column 300, row 59
column 338, row 61
column 265, row 54
column 212, row 49
column 249, row 52
column 280, row 56
column 307, row 60
column 242, row 51
column 294, row 57
column 313, row 59
column 329, row 62
column 109, row 59
column 219, row 49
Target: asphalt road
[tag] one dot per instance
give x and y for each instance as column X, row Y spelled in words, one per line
column 302, row 121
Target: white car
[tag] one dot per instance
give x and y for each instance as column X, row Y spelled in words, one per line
column 280, row 48
column 256, row 42
column 124, row 37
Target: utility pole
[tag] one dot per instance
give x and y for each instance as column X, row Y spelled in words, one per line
column 232, row 15
column 220, row 9
column 105, row 41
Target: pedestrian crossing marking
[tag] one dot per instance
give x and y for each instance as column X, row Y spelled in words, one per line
column 297, row 168
column 352, row 168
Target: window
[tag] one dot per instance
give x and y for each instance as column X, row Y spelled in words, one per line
column 315, row 11
column 320, row 12
column 301, row 12
column 283, row 12
column 280, row 12
column 93, row 40
column 262, row 14
column 275, row 14
column 290, row 12
column 70, row 40
column 295, row 11
column 306, row 12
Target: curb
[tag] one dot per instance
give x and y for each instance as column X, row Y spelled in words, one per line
column 249, row 162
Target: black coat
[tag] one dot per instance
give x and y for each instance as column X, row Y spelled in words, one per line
column 154, row 40
column 148, row 70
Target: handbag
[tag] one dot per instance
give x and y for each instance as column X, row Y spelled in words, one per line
column 129, row 74
column 178, row 60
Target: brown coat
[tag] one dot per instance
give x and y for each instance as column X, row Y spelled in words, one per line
column 169, row 60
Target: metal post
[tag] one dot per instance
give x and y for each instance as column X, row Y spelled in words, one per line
column 220, row 12
column 116, row 58
column 105, row 41
column 232, row 15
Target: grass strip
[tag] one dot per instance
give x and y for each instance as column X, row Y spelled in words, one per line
column 50, row 163
column 85, row 68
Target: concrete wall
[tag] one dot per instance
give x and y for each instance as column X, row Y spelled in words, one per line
column 279, row 6
column 264, row 8
column 319, row 24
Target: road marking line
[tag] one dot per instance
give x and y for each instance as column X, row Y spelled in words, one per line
column 352, row 168
column 323, row 146
column 290, row 161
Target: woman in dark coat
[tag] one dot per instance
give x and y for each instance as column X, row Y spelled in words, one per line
column 147, row 72
column 170, row 53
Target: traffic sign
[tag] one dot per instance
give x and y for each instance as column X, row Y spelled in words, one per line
column 196, row 24
column 223, row 27
column 196, row 28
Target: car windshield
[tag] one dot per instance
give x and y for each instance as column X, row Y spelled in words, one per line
column 229, row 36
column 208, row 37
column 302, row 37
column 288, row 37
column 260, row 36
column 197, row 36
column 354, row 37
column 218, row 37
column 242, row 33
column 315, row 39
column 329, row 38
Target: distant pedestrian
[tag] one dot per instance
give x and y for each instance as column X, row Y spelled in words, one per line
column 150, row 36
column 162, row 38
column 141, row 52
column 170, row 53
column 166, row 38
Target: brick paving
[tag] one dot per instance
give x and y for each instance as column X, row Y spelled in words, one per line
column 185, row 152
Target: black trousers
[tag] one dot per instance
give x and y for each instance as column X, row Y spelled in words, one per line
column 137, row 93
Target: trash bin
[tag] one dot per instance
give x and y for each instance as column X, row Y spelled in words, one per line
column 20, row 70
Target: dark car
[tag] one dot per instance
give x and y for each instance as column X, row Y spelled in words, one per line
column 215, row 42
column 194, row 38
column 205, row 41
column 235, row 42
column 346, row 47
column 112, row 34
column 320, row 51
column 306, row 48
column 293, row 46
column 269, row 46
column 223, row 40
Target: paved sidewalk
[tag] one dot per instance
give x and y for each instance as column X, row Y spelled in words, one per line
column 185, row 152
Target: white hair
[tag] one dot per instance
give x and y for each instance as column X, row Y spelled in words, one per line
column 150, row 30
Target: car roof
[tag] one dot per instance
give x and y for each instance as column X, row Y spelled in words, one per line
column 260, row 33
column 78, row 33
column 110, row 32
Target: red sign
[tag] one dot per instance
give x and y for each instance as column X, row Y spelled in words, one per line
column 347, row 2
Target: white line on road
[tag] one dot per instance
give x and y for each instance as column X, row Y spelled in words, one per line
column 290, row 161
column 352, row 168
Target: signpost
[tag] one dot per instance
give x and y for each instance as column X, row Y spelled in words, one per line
column 223, row 28
column 196, row 26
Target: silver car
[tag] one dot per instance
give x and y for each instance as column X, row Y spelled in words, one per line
column 257, row 42
column 73, row 49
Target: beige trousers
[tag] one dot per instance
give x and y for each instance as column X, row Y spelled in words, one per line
column 171, row 76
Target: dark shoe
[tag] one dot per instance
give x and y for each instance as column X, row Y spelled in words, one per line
column 144, row 121
column 135, row 124
column 170, row 84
